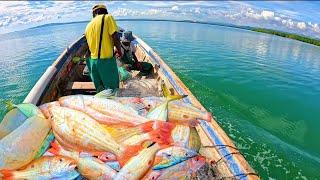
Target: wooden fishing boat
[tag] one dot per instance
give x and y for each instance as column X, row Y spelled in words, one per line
column 65, row 77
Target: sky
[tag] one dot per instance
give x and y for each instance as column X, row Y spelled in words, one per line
column 301, row 17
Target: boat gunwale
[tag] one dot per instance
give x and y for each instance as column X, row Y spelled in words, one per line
column 179, row 86
column 57, row 64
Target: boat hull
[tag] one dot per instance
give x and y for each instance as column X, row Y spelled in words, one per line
column 221, row 153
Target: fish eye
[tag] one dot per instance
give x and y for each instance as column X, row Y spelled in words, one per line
column 60, row 159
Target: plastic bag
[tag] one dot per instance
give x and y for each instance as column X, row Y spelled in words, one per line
column 124, row 74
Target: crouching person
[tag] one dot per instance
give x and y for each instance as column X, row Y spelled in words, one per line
column 129, row 59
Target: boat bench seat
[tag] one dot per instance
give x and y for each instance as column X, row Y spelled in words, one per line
column 80, row 86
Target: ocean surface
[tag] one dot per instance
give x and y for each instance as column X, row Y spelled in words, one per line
column 263, row 90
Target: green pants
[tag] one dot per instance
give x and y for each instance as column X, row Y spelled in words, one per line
column 104, row 73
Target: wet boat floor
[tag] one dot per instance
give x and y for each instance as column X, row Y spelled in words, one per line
column 139, row 87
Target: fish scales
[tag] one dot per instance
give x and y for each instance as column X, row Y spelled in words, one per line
column 107, row 107
column 86, row 131
column 180, row 135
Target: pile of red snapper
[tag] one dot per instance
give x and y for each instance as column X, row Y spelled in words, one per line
column 98, row 138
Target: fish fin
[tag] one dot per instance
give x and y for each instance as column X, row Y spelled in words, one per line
column 9, row 105
column 120, row 134
column 55, row 148
column 137, row 100
column 7, row 174
column 168, row 95
column 157, row 160
column 128, row 153
column 146, row 127
column 164, row 126
column 160, row 137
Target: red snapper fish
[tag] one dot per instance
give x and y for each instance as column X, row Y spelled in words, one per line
column 46, row 167
column 78, row 131
column 105, row 111
column 88, row 166
column 179, row 111
column 138, row 165
column 45, row 108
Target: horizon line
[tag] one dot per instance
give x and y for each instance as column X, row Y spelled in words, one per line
column 165, row 20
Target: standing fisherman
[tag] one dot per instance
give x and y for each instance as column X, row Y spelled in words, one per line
column 101, row 34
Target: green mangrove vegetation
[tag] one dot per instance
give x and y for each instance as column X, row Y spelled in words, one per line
column 288, row 35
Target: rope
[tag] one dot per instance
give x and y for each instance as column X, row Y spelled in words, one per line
column 240, row 175
column 215, row 164
column 222, row 146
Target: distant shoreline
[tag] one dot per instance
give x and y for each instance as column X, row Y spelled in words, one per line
column 293, row 36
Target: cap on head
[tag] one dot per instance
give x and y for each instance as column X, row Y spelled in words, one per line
column 127, row 36
column 98, row 6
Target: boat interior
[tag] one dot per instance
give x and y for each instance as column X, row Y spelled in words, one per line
column 75, row 79
column 67, row 76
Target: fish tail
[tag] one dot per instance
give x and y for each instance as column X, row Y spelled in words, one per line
column 208, row 116
column 55, row 149
column 128, row 153
column 168, row 95
column 7, row 174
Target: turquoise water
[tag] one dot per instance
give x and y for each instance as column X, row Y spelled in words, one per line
column 264, row 90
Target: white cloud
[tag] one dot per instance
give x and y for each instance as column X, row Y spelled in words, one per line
column 301, row 25
column 277, row 18
column 267, row 14
column 175, row 8
column 314, row 27
column 13, row 14
column 197, row 10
